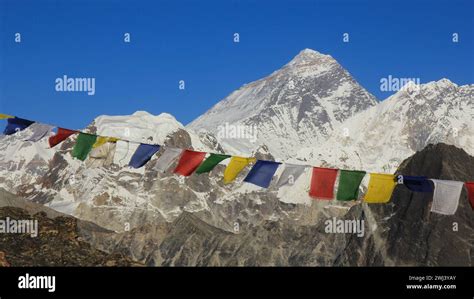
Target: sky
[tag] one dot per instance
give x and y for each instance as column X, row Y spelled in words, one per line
column 194, row 41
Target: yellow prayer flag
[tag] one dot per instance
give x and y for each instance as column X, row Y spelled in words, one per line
column 235, row 166
column 5, row 116
column 380, row 188
column 103, row 140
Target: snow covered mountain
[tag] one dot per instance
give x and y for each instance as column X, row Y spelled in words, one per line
column 381, row 137
column 297, row 105
column 118, row 197
column 310, row 101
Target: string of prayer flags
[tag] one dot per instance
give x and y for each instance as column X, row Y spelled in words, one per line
column 322, row 183
column 16, row 124
column 39, row 131
column 446, row 196
column 5, row 116
column 143, row 154
column 103, row 151
column 349, row 182
column 60, row 136
column 380, row 188
column 235, row 166
column 167, row 158
column 188, row 162
column 470, row 192
column 290, row 174
column 262, row 173
column 211, row 162
column 83, row 145
column 416, row 183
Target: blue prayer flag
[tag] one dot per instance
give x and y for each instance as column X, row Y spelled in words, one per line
column 417, row 183
column 143, row 154
column 16, row 124
column 262, row 173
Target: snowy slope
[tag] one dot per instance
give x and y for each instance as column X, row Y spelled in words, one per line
column 141, row 126
column 298, row 105
column 381, row 137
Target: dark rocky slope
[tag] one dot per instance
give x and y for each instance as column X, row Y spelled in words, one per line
column 61, row 239
column 407, row 232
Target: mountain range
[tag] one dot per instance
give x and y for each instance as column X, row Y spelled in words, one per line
column 311, row 111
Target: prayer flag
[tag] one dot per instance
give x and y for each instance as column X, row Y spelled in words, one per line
column 167, row 158
column 124, row 151
column 416, row 183
column 101, row 140
column 188, row 162
column 290, row 174
column 262, row 173
column 102, row 155
column 470, row 192
column 16, row 124
column 60, row 136
column 380, row 188
column 349, row 182
column 83, row 145
column 143, row 154
column 322, row 183
column 211, row 162
column 236, row 165
column 446, row 196
column 39, row 131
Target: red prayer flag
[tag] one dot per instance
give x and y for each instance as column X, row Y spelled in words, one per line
column 188, row 162
column 60, row 136
column 470, row 192
column 322, row 183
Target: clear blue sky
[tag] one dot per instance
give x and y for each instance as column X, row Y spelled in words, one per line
column 192, row 41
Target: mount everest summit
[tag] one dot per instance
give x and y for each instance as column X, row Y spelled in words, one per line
column 311, row 111
column 296, row 106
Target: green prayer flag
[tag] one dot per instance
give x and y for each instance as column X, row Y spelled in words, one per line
column 211, row 162
column 83, row 146
column 349, row 182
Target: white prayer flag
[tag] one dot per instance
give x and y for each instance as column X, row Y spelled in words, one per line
column 124, row 151
column 39, row 131
column 290, row 174
column 446, row 196
column 102, row 155
column 167, row 158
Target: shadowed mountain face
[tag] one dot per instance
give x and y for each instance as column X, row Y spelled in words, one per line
column 407, row 232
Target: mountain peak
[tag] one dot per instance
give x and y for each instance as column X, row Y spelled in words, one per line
column 140, row 126
column 444, row 82
column 309, row 56
column 308, row 52
column 142, row 113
